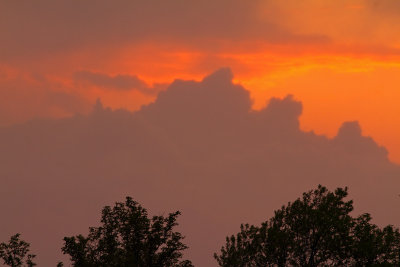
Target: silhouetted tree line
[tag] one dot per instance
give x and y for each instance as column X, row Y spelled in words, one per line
column 314, row 230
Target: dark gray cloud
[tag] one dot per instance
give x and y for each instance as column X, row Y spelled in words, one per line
column 32, row 29
column 388, row 7
column 117, row 82
column 198, row 148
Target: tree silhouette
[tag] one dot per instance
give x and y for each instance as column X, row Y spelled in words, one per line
column 15, row 253
column 315, row 230
column 127, row 237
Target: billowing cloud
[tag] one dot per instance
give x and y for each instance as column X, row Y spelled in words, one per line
column 198, row 148
column 267, row 43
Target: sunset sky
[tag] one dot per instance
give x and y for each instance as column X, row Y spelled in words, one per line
column 222, row 109
column 340, row 58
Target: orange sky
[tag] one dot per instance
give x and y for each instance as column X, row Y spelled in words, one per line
column 190, row 152
column 341, row 59
column 332, row 87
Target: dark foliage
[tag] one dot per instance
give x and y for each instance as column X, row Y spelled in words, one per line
column 127, row 237
column 315, row 230
column 15, row 253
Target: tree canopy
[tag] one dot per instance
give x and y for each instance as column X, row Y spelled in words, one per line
column 315, row 230
column 128, row 237
column 15, row 252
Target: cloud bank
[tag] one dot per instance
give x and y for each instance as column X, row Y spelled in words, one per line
column 27, row 96
column 198, row 148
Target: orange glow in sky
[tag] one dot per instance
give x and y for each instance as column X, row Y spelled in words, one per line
column 333, row 86
column 341, row 59
column 196, row 147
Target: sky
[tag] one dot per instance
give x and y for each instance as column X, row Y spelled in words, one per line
column 340, row 58
column 309, row 83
